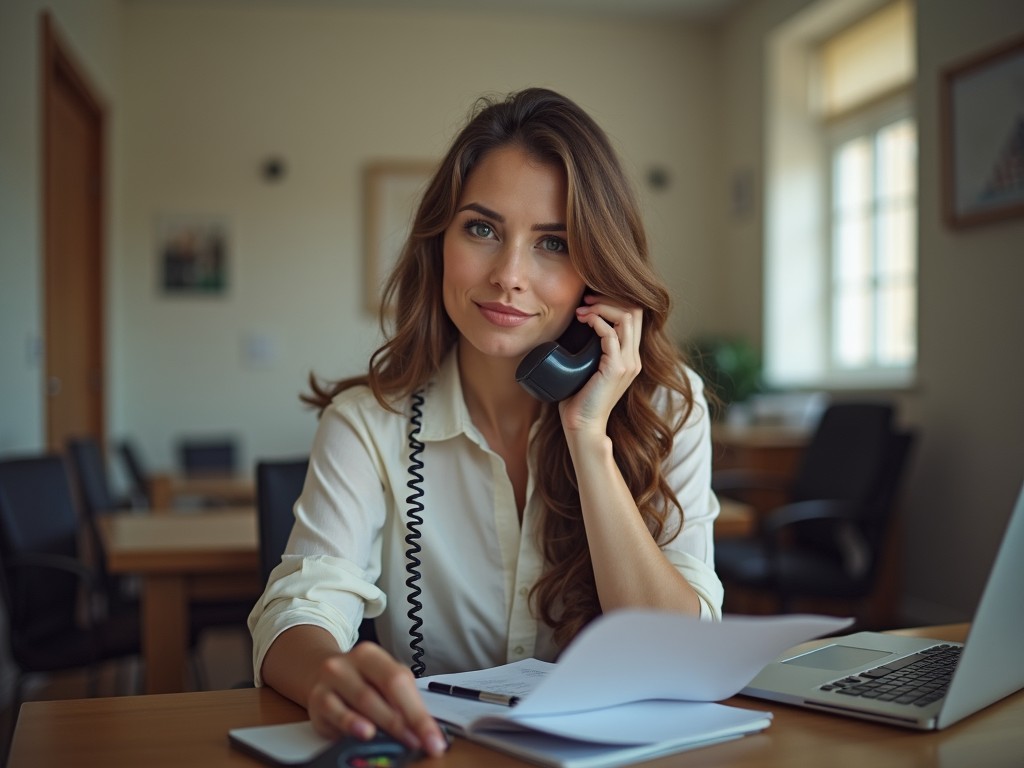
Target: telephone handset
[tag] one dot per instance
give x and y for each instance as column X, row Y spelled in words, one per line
column 556, row 370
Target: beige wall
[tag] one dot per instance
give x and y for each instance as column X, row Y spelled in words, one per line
column 201, row 94
column 200, row 97
column 210, row 92
column 972, row 314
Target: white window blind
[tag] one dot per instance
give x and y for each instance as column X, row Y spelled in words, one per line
column 873, row 57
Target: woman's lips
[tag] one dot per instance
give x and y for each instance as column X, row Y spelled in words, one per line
column 503, row 315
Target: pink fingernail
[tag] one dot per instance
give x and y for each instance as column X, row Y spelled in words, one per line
column 363, row 730
column 436, row 745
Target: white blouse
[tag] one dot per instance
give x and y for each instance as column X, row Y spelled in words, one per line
column 346, row 557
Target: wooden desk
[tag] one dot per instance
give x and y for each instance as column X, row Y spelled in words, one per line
column 181, row 557
column 774, row 451
column 764, row 448
column 191, row 729
column 166, row 488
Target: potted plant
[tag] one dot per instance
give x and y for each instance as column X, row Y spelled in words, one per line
column 731, row 369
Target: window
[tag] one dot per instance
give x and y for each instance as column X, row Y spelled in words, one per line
column 873, row 264
column 841, row 263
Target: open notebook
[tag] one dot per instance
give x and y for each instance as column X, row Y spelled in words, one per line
column 633, row 685
column 916, row 682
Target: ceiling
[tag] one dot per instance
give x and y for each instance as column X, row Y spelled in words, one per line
column 696, row 10
column 660, row 8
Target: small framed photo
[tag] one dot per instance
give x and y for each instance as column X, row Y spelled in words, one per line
column 193, row 254
column 983, row 136
column 392, row 190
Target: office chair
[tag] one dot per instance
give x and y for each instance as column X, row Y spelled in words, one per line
column 829, row 540
column 199, row 456
column 137, row 474
column 52, row 595
column 278, row 486
column 90, row 472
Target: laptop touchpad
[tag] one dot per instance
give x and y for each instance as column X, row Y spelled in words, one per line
column 837, row 657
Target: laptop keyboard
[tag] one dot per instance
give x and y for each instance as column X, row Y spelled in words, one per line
column 919, row 679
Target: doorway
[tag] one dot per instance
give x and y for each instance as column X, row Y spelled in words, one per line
column 73, row 211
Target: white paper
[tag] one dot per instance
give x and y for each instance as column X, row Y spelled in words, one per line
column 633, row 655
column 516, row 679
column 646, row 722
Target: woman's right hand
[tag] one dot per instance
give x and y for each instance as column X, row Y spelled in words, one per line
column 352, row 693
column 357, row 692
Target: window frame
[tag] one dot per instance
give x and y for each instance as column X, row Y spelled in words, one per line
column 865, row 121
column 797, row 247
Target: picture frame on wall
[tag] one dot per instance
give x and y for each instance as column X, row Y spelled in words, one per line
column 983, row 136
column 192, row 253
column 392, row 190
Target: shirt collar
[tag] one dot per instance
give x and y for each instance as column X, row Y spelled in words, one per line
column 447, row 415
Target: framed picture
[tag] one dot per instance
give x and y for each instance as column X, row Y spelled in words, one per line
column 192, row 250
column 391, row 192
column 983, row 136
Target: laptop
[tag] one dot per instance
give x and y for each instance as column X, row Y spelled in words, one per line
column 868, row 674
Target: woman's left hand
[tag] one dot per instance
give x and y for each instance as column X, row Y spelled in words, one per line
column 620, row 329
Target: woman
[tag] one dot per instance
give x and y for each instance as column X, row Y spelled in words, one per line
column 525, row 520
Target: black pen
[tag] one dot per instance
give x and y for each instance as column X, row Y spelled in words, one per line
column 470, row 693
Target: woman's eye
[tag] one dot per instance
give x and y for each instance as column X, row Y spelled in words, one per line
column 480, row 229
column 554, row 244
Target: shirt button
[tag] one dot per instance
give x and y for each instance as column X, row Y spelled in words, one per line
column 524, row 591
column 518, row 649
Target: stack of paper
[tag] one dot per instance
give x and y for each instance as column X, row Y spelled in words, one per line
column 633, row 685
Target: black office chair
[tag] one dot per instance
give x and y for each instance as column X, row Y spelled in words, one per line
column 278, row 486
column 137, row 474
column 829, row 540
column 90, row 470
column 52, row 595
column 213, row 455
column 97, row 500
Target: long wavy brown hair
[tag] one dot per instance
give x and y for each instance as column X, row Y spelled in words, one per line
column 608, row 247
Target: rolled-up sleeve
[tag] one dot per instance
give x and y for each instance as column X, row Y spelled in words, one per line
column 314, row 590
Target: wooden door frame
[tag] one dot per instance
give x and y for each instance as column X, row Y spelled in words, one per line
column 58, row 64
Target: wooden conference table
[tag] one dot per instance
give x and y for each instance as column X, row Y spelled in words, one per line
column 166, row 488
column 191, row 729
column 181, row 557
